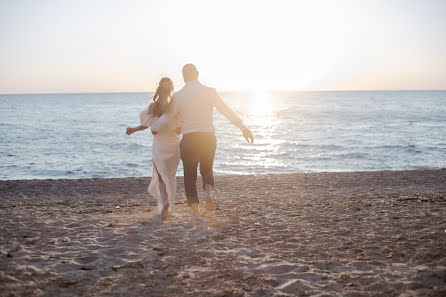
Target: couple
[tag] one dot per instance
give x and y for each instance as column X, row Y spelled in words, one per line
column 189, row 111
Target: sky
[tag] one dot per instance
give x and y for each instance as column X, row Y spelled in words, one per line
column 65, row 46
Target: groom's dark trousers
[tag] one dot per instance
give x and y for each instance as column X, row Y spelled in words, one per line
column 197, row 148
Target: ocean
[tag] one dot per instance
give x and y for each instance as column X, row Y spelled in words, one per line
column 53, row 136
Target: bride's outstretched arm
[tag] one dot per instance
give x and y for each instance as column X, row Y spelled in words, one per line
column 131, row 130
column 145, row 118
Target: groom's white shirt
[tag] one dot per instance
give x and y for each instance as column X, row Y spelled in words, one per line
column 195, row 103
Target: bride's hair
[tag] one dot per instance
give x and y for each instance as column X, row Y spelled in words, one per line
column 163, row 97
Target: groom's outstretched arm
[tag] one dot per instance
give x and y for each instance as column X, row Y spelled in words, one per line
column 233, row 118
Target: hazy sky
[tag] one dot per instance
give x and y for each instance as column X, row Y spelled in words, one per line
column 114, row 45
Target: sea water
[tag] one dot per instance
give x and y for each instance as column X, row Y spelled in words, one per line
column 83, row 135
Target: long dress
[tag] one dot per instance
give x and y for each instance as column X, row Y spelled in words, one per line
column 165, row 155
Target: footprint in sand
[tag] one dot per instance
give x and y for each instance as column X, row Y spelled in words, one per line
column 86, row 259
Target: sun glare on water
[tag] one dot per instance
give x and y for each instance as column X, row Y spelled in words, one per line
column 262, row 116
column 261, row 111
column 264, row 120
column 261, row 104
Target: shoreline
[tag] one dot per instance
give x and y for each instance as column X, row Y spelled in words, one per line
column 378, row 233
column 240, row 174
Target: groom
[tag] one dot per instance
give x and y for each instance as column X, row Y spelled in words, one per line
column 195, row 103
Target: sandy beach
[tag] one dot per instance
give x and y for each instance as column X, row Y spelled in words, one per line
column 318, row 234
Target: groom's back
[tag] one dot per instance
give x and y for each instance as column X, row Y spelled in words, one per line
column 195, row 102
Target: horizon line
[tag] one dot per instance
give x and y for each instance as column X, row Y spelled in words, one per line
column 232, row 91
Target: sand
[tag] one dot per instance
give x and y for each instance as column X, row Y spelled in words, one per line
column 318, row 234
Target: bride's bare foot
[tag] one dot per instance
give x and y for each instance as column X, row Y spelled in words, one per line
column 209, row 203
column 165, row 212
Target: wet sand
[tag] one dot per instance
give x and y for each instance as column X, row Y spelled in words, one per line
column 321, row 234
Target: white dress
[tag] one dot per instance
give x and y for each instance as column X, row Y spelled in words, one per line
column 165, row 155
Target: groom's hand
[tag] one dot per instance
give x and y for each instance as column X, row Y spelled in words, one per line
column 248, row 135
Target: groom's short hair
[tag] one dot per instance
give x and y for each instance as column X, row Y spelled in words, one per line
column 190, row 72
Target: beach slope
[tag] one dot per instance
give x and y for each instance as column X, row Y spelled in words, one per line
column 326, row 234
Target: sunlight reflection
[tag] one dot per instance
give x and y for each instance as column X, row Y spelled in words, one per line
column 264, row 121
column 261, row 111
column 261, row 104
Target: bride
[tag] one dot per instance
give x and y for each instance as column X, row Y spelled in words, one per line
column 165, row 147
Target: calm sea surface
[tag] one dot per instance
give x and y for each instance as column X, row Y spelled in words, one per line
column 83, row 135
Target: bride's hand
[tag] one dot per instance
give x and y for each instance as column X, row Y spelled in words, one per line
column 129, row 131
